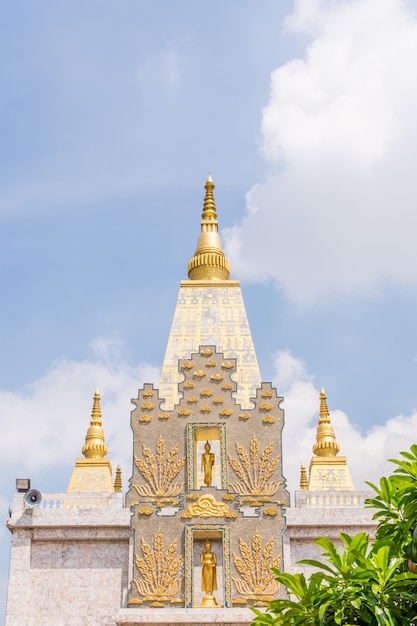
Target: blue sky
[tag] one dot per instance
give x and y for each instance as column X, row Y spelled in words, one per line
column 111, row 117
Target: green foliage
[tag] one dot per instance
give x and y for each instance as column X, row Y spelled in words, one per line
column 395, row 507
column 360, row 583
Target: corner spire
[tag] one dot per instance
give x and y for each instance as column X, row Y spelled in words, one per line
column 326, row 444
column 92, row 473
column 94, row 447
column 118, row 480
column 209, row 262
column 303, row 478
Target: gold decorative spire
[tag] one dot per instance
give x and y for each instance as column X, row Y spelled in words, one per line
column 118, row 480
column 209, row 262
column 303, row 478
column 326, row 444
column 93, row 473
column 94, row 447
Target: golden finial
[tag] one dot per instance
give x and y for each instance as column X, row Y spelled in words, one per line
column 303, row 478
column 209, row 262
column 326, row 444
column 118, row 480
column 94, row 447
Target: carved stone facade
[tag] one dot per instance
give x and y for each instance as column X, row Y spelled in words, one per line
column 207, row 514
column 206, row 470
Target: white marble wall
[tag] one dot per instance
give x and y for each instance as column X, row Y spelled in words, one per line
column 71, row 565
column 68, row 567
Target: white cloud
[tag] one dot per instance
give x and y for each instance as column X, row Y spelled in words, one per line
column 367, row 453
column 43, row 428
column 336, row 212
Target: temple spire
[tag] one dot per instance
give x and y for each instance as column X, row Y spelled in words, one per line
column 118, row 480
column 327, row 471
column 209, row 262
column 93, row 473
column 326, row 444
column 303, row 478
column 94, row 446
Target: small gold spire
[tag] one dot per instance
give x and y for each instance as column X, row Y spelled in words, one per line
column 94, row 447
column 326, row 444
column 303, row 478
column 118, row 480
column 209, row 262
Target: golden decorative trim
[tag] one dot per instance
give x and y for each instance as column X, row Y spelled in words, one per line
column 207, row 506
column 218, row 400
column 192, row 399
column 164, row 416
column 187, row 365
column 244, row 416
column 255, row 565
column 240, row 601
column 199, row 374
column 206, row 352
column 160, row 577
column 217, row 376
column 148, row 393
column 189, row 385
column 271, row 511
column 205, row 409
column 211, row 364
column 185, row 412
column 159, row 472
column 192, row 496
column 267, row 394
column 145, row 510
column 227, row 387
column 206, row 392
column 268, row 419
column 226, row 412
column 145, row 418
column 254, row 470
column 228, row 497
column 266, row 406
column 148, row 406
column 228, row 365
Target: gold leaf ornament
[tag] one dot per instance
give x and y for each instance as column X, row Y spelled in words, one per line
column 254, row 470
column 160, row 471
column 266, row 406
column 160, row 580
column 255, row 565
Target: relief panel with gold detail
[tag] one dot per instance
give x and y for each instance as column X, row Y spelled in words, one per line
column 207, row 492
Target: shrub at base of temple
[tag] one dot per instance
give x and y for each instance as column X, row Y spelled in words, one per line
column 361, row 583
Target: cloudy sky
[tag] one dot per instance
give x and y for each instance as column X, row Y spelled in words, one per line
column 111, row 116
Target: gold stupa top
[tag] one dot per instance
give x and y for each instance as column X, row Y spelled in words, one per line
column 94, row 447
column 93, row 473
column 118, row 480
column 209, row 262
column 326, row 444
column 303, row 478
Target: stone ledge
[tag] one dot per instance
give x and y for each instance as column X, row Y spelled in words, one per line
column 183, row 617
